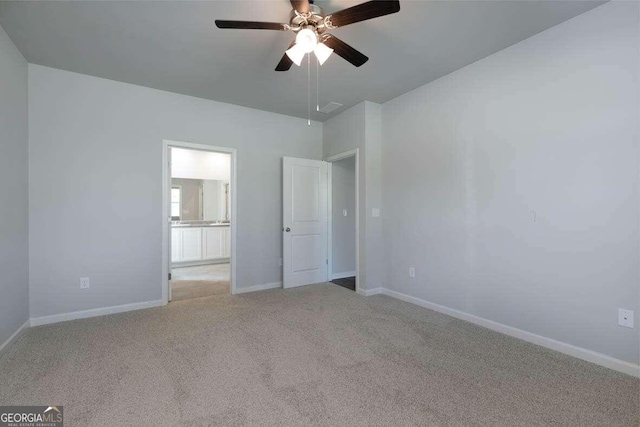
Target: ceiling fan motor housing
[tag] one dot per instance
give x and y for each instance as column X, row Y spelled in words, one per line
column 314, row 19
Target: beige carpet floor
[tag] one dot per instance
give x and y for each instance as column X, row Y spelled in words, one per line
column 188, row 289
column 317, row 355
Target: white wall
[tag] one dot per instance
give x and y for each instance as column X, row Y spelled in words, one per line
column 14, row 300
column 512, row 184
column 343, row 196
column 91, row 138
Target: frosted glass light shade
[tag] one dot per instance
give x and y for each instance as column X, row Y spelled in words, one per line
column 296, row 53
column 323, row 52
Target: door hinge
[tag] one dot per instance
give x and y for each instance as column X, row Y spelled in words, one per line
column 169, row 276
column 327, row 261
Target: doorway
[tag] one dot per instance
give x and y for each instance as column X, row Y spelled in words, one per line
column 344, row 212
column 199, row 215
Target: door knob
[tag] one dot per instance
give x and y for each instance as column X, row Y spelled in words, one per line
column 287, row 229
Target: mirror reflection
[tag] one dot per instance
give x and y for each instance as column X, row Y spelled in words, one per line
column 199, row 200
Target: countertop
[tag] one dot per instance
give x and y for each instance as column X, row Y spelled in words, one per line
column 204, row 224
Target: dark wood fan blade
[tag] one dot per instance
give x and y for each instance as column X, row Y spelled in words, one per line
column 286, row 62
column 364, row 11
column 302, row 6
column 347, row 52
column 250, row 25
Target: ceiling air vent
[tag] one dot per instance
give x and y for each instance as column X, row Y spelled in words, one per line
column 332, row 106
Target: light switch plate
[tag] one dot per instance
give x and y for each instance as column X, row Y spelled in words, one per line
column 625, row 318
column 84, row 283
column 375, row 212
column 344, row 212
column 412, row 272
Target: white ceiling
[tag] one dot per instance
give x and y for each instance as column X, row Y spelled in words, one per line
column 196, row 164
column 175, row 46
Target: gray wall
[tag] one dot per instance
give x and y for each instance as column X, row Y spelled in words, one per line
column 92, row 138
column 373, row 194
column 360, row 127
column 512, row 184
column 343, row 196
column 345, row 132
column 14, row 291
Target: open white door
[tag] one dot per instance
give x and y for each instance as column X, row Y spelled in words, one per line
column 305, row 217
column 172, row 240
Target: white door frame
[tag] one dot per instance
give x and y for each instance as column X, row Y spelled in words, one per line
column 166, row 215
column 346, row 154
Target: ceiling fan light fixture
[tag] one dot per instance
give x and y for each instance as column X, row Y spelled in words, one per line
column 309, row 22
column 296, row 53
column 307, row 40
column 323, row 52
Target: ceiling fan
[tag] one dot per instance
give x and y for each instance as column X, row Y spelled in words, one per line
column 311, row 24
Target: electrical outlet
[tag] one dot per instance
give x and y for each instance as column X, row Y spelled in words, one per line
column 412, row 272
column 625, row 318
column 84, row 283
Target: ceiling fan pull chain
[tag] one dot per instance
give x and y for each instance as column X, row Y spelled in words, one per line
column 308, row 89
column 317, row 84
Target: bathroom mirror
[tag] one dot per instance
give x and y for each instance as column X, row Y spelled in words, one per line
column 199, row 200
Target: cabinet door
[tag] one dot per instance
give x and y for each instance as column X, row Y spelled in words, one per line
column 212, row 243
column 226, row 242
column 191, row 244
column 176, row 244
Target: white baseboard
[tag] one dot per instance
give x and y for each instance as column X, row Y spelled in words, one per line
column 15, row 336
column 369, row 292
column 45, row 320
column 571, row 350
column 343, row 275
column 262, row 287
